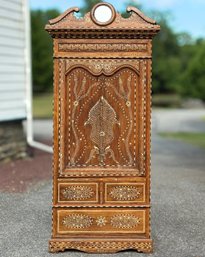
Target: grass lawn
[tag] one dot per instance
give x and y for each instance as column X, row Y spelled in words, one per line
column 43, row 106
column 197, row 139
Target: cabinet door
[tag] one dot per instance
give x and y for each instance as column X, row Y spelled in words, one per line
column 102, row 117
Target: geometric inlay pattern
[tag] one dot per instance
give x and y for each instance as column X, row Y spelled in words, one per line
column 102, row 117
column 125, row 193
column 77, row 221
column 77, row 193
column 125, row 221
column 101, row 121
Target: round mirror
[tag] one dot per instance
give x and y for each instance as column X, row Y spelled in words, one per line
column 103, row 14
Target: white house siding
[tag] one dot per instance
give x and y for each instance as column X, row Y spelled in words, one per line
column 12, row 60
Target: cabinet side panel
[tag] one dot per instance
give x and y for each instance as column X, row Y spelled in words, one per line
column 148, row 132
column 55, row 134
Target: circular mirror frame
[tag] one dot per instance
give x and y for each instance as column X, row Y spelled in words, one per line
column 107, row 22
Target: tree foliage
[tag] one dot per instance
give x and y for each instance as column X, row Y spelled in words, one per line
column 42, row 51
column 193, row 77
column 178, row 60
column 88, row 5
column 166, row 62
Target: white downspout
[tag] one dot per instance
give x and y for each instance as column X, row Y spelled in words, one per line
column 29, row 90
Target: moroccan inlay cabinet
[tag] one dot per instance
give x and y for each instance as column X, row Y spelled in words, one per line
column 101, row 164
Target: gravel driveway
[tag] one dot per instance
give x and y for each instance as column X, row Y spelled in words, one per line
column 179, row 120
column 178, row 212
column 178, row 193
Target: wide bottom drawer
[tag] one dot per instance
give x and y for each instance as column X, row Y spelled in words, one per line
column 99, row 221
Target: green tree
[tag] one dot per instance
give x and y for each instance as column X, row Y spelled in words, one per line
column 178, row 61
column 42, row 52
column 166, row 61
column 166, row 50
column 193, row 78
column 88, row 5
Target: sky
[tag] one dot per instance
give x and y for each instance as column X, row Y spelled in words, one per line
column 186, row 15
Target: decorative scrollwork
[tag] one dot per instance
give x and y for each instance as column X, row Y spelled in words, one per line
column 77, row 193
column 125, row 221
column 98, row 65
column 125, row 193
column 77, row 221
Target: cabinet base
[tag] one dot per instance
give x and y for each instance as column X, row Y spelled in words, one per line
column 101, row 246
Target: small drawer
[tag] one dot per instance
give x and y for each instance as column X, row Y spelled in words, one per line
column 100, row 222
column 125, row 192
column 78, row 193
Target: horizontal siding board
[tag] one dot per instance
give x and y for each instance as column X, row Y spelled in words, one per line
column 12, row 78
column 12, row 60
column 14, row 1
column 15, row 6
column 12, row 33
column 12, row 105
column 7, row 96
column 11, row 51
column 12, row 68
column 14, row 42
column 17, row 2
column 9, row 14
column 16, row 58
column 12, row 114
column 11, row 86
column 8, row 23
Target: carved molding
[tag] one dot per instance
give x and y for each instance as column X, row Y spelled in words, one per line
column 101, row 246
column 142, row 156
column 101, row 173
column 64, row 15
column 105, row 65
column 64, row 47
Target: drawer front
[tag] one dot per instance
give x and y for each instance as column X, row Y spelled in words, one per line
column 124, row 193
column 107, row 221
column 74, row 193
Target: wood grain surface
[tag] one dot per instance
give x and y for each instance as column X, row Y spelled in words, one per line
column 102, row 106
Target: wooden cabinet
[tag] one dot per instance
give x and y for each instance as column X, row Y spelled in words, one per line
column 101, row 163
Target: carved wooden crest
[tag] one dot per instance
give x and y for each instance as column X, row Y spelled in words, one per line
column 66, row 24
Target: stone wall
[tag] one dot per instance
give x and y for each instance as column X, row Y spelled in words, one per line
column 12, row 141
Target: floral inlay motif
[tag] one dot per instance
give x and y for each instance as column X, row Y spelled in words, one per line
column 125, row 193
column 101, row 221
column 77, row 221
column 102, row 118
column 125, row 221
column 77, row 193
